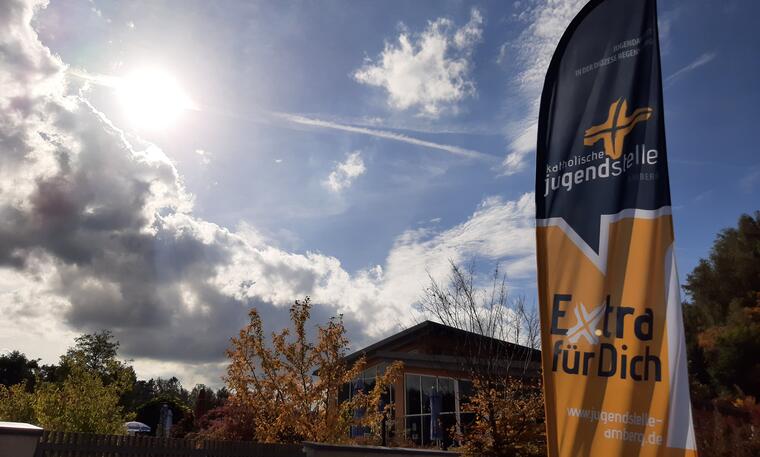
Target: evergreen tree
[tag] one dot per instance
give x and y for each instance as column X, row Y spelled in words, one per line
column 722, row 316
column 16, row 368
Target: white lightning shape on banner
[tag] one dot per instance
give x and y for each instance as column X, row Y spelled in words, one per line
column 586, row 323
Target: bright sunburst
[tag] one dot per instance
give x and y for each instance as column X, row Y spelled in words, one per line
column 152, row 99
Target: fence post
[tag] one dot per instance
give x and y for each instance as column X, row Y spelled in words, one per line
column 18, row 439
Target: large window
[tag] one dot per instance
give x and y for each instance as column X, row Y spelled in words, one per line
column 418, row 389
column 466, row 390
column 368, row 379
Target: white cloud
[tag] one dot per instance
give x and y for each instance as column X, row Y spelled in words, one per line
column 204, row 155
column 498, row 230
column 519, row 150
column 701, row 60
column 532, row 51
column 346, row 172
column 429, row 72
column 501, row 58
column 536, row 44
column 750, row 180
column 469, row 35
column 665, row 22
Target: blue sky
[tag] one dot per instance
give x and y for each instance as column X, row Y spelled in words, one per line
column 338, row 149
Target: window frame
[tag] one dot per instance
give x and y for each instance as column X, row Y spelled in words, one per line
column 457, row 410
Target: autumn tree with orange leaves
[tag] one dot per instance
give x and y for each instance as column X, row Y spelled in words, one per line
column 275, row 381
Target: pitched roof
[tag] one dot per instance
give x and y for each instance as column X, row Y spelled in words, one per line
column 385, row 347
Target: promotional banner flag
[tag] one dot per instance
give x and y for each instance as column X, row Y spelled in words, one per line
column 614, row 356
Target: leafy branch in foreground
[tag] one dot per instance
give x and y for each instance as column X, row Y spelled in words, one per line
column 276, row 383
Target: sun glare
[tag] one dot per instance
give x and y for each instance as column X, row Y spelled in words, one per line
column 152, row 99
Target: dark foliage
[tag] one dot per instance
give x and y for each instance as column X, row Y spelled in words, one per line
column 722, row 316
column 150, row 415
column 16, row 368
column 228, row 422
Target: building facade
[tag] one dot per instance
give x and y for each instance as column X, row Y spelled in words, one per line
column 437, row 359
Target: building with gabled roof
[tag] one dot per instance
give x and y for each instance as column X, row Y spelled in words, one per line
column 438, row 358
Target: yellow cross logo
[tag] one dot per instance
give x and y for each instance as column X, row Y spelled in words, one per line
column 618, row 124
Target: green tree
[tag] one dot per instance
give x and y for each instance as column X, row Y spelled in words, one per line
column 83, row 393
column 142, row 392
column 722, row 316
column 99, row 353
column 17, row 404
column 16, row 368
column 171, row 388
column 82, row 402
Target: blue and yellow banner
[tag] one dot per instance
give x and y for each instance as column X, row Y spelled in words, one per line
column 614, row 355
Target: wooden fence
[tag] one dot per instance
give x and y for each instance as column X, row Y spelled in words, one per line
column 62, row 444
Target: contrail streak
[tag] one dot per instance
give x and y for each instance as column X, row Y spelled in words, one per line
column 302, row 120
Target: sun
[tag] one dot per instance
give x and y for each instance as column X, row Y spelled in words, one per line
column 152, row 99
